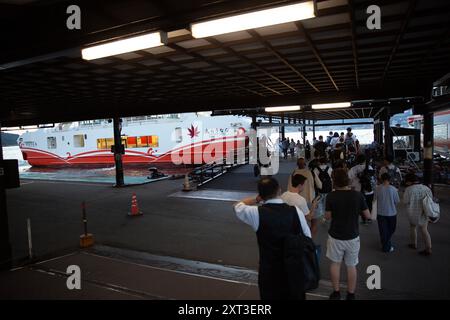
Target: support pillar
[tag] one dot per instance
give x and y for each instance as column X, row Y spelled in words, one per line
column 314, row 128
column 377, row 132
column 428, row 148
column 304, row 132
column 388, row 140
column 117, row 125
column 282, row 127
column 254, row 123
column 5, row 245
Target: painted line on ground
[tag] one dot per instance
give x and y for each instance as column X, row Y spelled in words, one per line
column 191, row 274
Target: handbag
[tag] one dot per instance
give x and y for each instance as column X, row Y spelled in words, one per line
column 300, row 259
column 431, row 208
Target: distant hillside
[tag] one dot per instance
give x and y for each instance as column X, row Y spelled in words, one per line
column 9, row 139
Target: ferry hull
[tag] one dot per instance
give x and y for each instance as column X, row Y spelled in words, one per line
column 204, row 153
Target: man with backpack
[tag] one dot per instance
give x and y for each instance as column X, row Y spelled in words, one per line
column 349, row 138
column 281, row 273
column 393, row 171
column 362, row 179
column 321, row 147
column 285, row 147
column 324, row 185
column 329, row 137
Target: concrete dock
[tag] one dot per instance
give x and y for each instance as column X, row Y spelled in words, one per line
column 196, row 230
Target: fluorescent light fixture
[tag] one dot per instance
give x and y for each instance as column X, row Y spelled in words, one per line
column 252, row 20
column 331, row 105
column 141, row 42
column 282, row 109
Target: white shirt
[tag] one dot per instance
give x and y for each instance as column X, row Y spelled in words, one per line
column 295, row 200
column 353, row 176
column 412, row 198
column 334, row 141
column 308, row 191
column 250, row 215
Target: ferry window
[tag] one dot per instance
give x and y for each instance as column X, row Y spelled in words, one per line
column 30, row 143
column 142, row 142
column 109, row 143
column 178, row 135
column 153, row 141
column 132, row 142
column 101, row 143
column 51, row 142
column 78, row 141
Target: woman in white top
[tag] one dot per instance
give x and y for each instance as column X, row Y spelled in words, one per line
column 334, row 140
column 412, row 198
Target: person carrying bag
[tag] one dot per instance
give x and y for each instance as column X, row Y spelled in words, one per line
column 300, row 254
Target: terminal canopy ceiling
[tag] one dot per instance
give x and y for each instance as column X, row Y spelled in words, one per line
column 329, row 58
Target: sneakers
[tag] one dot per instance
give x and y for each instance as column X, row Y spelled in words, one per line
column 336, row 295
column 350, row 296
column 425, row 252
column 391, row 249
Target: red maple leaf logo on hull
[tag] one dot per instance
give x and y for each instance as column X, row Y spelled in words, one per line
column 193, row 132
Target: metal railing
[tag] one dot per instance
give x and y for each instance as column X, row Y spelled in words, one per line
column 210, row 171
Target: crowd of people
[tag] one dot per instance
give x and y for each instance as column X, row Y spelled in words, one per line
column 335, row 147
column 341, row 185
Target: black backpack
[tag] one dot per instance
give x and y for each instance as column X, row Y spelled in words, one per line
column 324, row 177
column 395, row 177
column 300, row 258
column 366, row 178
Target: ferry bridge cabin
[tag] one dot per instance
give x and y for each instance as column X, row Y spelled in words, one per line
column 330, row 57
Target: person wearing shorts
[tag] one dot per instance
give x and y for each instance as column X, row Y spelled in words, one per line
column 343, row 207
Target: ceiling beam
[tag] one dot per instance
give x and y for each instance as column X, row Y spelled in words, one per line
column 406, row 20
column 282, row 59
column 201, row 58
column 315, row 51
column 444, row 36
column 354, row 42
column 249, row 61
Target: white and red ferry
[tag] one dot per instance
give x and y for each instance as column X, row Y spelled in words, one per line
column 147, row 139
column 441, row 130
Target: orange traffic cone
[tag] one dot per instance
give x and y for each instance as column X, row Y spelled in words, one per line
column 187, row 184
column 134, row 207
